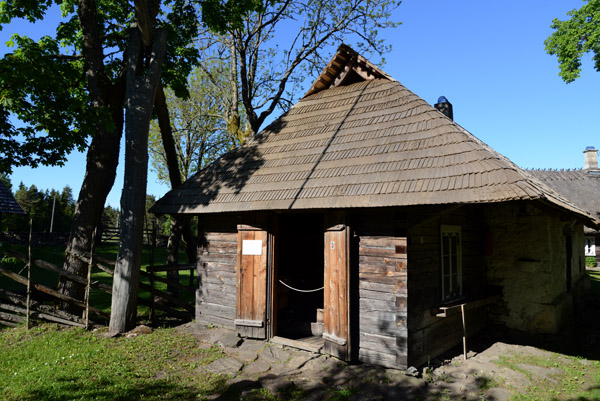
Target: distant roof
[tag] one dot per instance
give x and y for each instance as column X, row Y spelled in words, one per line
column 8, row 203
column 582, row 187
column 367, row 143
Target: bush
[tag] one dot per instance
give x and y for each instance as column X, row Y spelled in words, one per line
column 590, row 261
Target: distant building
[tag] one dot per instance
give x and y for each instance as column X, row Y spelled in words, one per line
column 582, row 187
column 8, row 203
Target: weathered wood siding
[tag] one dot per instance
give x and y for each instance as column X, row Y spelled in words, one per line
column 217, row 260
column 383, row 300
column 217, row 265
column 430, row 336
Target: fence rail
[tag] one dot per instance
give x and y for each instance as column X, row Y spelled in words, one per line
column 15, row 309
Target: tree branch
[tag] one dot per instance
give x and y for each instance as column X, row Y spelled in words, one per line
column 166, row 133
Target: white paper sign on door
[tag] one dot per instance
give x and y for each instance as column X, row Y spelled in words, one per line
column 252, row 247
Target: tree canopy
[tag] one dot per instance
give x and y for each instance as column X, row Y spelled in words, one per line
column 39, row 205
column 575, row 37
column 279, row 46
column 198, row 123
column 43, row 85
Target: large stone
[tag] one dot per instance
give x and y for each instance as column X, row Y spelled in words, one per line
column 275, row 355
column 139, row 330
column 252, row 345
column 247, row 356
column 298, row 361
column 225, row 366
column 257, row 367
column 230, row 340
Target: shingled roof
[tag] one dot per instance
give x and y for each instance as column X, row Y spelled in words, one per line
column 358, row 138
column 582, row 187
column 8, row 204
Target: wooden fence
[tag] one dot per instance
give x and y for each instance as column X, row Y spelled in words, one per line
column 16, row 309
column 110, row 234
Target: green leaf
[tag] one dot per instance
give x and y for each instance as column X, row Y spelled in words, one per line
column 575, row 37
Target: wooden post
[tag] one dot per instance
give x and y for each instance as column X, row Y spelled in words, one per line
column 462, row 310
column 28, row 311
column 152, row 250
column 89, row 280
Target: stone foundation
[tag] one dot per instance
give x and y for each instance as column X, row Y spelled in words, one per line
column 528, row 260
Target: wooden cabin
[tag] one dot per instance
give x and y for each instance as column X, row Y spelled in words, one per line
column 367, row 224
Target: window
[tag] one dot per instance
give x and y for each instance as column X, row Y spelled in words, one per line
column 451, row 247
column 590, row 246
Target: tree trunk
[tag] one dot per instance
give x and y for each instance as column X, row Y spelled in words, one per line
column 101, row 168
column 179, row 224
column 103, row 153
column 173, row 255
column 140, row 95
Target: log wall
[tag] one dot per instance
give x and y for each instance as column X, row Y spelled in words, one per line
column 430, row 335
column 217, row 265
column 216, row 296
column 379, row 303
column 383, row 301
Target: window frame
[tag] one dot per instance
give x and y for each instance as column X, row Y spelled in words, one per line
column 590, row 245
column 450, row 294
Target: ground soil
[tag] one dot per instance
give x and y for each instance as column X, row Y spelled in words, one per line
column 252, row 364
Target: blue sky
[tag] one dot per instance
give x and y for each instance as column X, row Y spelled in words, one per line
column 486, row 57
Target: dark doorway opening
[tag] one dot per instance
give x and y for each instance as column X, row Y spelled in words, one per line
column 299, row 264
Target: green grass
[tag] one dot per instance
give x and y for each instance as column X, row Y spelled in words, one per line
column 575, row 378
column 594, row 282
column 48, row 363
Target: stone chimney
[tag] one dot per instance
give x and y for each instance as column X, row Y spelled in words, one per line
column 591, row 158
column 445, row 107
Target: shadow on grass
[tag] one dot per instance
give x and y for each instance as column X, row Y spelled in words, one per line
column 64, row 389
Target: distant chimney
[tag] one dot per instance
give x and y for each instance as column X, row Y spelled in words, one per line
column 444, row 106
column 591, row 158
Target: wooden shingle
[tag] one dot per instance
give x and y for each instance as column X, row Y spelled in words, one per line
column 8, row 203
column 371, row 143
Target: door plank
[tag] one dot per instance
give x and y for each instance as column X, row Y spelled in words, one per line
column 251, row 298
column 336, row 324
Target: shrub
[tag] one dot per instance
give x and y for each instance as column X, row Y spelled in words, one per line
column 590, row 261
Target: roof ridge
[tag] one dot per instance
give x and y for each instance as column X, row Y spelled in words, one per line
column 544, row 169
column 340, row 67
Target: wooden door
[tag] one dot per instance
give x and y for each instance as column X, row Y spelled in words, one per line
column 336, row 302
column 251, row 285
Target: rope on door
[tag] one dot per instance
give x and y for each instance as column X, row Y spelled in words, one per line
column 296, row 289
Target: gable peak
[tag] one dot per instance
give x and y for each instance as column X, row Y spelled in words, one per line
column 345, row 68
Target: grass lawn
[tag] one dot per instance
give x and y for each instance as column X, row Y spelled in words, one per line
column 565, row 378
column 594, row 282
column 48, row 363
